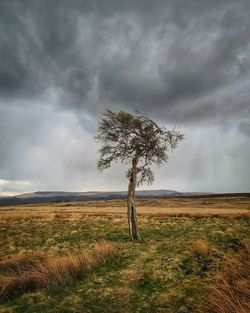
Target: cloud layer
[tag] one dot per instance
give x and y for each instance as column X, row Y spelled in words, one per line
column 186, row 63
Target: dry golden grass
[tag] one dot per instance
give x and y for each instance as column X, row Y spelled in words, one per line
column 62, row 215
column 158, row 274
column 22, row 262
column 26, row 275
column 200, row 248
column 197, row 213
column 198, row 207
column 24, row 216
column 231, row 293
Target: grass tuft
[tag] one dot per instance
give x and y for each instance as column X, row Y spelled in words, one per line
column 200, row 248
column 52, row 271
column 231, row 292
column 22, row 262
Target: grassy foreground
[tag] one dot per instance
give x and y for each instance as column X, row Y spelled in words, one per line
column 172, row 270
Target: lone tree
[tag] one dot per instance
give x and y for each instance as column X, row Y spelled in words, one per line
column 139, row 141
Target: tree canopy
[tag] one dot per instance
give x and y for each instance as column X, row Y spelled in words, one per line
column 125, row 136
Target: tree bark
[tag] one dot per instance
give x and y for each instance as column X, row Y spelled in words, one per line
column 132, row 216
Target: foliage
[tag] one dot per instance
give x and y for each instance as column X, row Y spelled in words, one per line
column 125, row 136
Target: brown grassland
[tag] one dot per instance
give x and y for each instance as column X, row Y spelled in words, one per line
column 76, row 257
column 231, row 206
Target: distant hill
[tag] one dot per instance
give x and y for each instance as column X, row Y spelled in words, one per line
column 62, row 196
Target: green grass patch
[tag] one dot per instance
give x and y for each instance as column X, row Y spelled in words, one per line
column 157, row 275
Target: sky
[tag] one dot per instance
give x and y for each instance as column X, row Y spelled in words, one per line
column 186, row 64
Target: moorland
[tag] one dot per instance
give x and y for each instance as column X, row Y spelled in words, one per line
column 77, row 257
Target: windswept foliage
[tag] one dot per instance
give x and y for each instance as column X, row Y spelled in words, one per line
column 124, row 135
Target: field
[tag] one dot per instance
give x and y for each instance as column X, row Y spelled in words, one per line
column 76, row 257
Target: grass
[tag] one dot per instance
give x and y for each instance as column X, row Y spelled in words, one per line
column 231, row 290
column 198, row 207
column 167, row 272
column 22, row 273
column 200, row 248
column 22, row 262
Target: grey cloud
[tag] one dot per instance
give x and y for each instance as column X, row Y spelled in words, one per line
column 47, row 148
column 200, row 47
column 200, row 60
column 63, row 62
column 211, row 158
column 244, row 127
column 37, row 48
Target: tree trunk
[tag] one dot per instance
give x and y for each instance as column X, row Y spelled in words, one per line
column 132, row 217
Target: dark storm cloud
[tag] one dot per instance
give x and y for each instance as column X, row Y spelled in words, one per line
column 209, row 56
column 166, row 54
column 38, row 49
column 183, row 62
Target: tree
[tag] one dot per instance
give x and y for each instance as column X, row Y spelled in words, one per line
column 139, row 141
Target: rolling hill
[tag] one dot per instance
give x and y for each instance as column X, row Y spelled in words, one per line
column 62, row 196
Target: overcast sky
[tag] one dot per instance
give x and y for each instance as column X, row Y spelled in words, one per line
column 184, row 63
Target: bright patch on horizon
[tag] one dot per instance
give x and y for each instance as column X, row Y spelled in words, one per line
column 7, row 182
